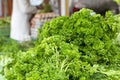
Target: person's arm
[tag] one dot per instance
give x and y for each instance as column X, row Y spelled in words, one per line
column 25, row 7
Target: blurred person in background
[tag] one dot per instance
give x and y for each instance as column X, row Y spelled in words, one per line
column 99, row 6
column 20, row 20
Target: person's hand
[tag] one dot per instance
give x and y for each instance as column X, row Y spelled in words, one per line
column 32, row 23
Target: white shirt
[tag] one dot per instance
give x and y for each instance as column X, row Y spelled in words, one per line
column 20, row 25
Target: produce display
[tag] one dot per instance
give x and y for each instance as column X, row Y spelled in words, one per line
column 80, row 47
column 9, row 47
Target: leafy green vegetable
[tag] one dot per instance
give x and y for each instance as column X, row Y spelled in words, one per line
column 93, row 34
column 79, row 47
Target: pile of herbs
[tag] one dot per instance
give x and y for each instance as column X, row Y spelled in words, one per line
column 80, row 47
column 9, row 47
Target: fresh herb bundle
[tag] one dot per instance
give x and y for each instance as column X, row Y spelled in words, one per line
column 79, row 47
